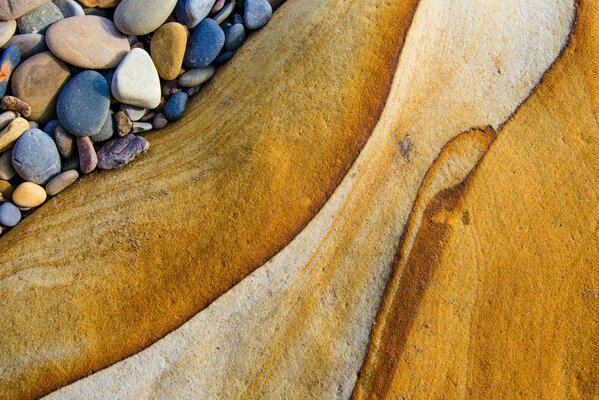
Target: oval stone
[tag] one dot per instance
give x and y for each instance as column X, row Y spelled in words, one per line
column 28, row 43
column 195, row 77
column 192, row 12
column 38, row 81
column 205, row 43
column 257, row 13
column 29, row 195
column 35, row 157
column 83, row 104
column 175, row 106
column 136, row 82
column 90, row 42
column 61, row 182
column 168, row 49
column 234, row 37
column 39, row 19
column 10, row 215
column 140, row 17
column 13, row 9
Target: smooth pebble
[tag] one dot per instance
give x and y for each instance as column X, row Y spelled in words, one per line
column 175, row 106
column 257, row 13
column 39, row 19
column 88, row 160
column 140, row 17
column 29, row 195
column 205, row 44
column 61, row 182
column 10, row 215
column 35, row 157
column 234, row 37
column 136, row 81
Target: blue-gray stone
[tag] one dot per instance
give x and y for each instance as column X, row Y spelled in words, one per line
column 204, row 45
column 39, row 19
column 84, row 103
column 69, row 8
column 35, row 157
column 50, row 127
column 238, row 19
column 257, row 13
column 10, row 215
column 223, row 58
column 234, row 37
column 11, row 57
column 192, row 12
column 70, row 163
column 175, row 106
column 108, row 129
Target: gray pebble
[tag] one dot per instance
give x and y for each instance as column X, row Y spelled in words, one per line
column 225, row 12
column 134, row 113
column 10, row 215
column 108, row 129
column 39, row 19
column 257, row 13
column 35, row 157
column 29, row 44
column 61, row 182
column 234, row 37
column 195, row 77
column 139, row 127
column 6, row 118
column 64, row 141
column 159, row 121
column 7, row 172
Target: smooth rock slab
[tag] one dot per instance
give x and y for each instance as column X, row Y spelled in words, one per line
column 168, row 49
column 13, row 9
column 10, row 215
column 39, row 19
column 121, row 151
column 89, row 42
column 257, row 13
column 140, row 17
column 28, row 43
column 38, row 81
column 136, row 82
column 84, row 103
column 35, row 157
column 205, row 43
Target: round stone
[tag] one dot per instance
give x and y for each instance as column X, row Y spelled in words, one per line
column 136, row 81
column 192, row 12
column 13, row 9
column 7, row 29
column 195, row 77
column 10, row 215
column 61, row 182
column 35, row 157
column 38, row 81
column 29, row 195
column 140, row 17
column 205, row 43
column 84, row 103
column 28, row 43
column 89, row 42
column 108, row 129
column 234, row 37
column 175, row 106
column 69, row 8
column 168, row 49
column 39, row 19
column 257, row 13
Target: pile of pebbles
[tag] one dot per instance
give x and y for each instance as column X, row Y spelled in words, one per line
column 80, row 80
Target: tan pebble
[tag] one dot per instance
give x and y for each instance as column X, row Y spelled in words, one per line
column 100, row 3
column 6, row 190
column 10, row 134
column 29, row 195
column 123, row 123
column 61, row 182
column 168, row 49
column 12, row 103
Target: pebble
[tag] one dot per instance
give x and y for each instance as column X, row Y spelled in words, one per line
column 121, row 151
column 223, row 58
column 6, row 118
column 123, row 123
column 38, row 81
column 13, row 9
column 257, row 13
column 65, row 142
column 7, row 30
column 225, row 12
column 159, row 121
column 234, row 37
column 83, row 104
column 35, row 157
column 148, row 117
column 61, row 181
column 29, row 195
column 39, row 19
column 136, row 81
column 204, row 45
column 7, row 172
column 11, row 57
column 10, row 215
column 193, row 91
column 192, row 12
column 6, row 190
column 17, row 105
column 139, row 127
column 50, row 127
column 170, row 88
column 88, row 159
column 89, row 42
column 134, row 113
column 168, row 49
column 28, row 43
column 217, row 6
column 69, row 8
column 14, row 130
column 175, row 106
column 195, row 77
column 33, row 124
column 238, row 19
column 108, row 129
column 140, row 17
